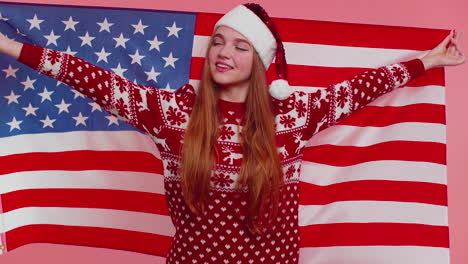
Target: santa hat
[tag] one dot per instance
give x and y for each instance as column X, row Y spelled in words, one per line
column 252, row 21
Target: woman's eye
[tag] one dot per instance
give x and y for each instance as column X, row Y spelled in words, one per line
column 242, row 49
column 216, row 43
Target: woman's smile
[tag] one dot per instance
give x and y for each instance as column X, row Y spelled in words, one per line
column 223, row 67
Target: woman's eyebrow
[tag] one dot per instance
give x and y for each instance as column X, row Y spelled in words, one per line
column 218, row 35
column 242, row 40
column 236, row 39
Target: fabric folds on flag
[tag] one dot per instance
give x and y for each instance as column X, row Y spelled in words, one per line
column 373, row 187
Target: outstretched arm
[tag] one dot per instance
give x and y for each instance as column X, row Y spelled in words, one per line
column 341, row 99
column 351, row 95
column 135, row 104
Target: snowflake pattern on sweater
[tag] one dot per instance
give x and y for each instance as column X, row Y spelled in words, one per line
column 221, row 235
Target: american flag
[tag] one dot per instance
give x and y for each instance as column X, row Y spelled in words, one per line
column 373, row 187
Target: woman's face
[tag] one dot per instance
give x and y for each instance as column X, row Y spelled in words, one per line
column 230, row 57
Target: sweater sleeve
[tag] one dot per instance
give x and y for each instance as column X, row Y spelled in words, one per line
column 342, row 99
column 140, row 106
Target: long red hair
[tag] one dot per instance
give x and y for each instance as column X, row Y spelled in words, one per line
column 261, row 169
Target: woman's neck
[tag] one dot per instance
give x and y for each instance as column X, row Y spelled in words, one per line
column 234, row 93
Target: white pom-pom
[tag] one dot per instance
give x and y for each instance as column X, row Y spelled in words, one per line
column 280, row 89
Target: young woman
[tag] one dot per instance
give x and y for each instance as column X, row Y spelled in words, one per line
column 232, row 149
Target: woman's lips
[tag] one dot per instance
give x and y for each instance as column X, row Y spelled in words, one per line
column 221, row 67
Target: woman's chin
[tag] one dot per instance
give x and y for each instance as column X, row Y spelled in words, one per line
column 226, row 82
column 223, row 82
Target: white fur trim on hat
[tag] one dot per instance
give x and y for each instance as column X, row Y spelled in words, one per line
column 252, row 27
column 280, row 89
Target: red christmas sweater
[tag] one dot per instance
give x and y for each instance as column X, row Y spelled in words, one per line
column 221, row 235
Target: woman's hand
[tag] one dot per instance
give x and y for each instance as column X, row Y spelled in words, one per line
column 9, row 46
column 447, row 53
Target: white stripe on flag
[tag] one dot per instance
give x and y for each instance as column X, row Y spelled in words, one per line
column 408, row 95
column 373, row 212
column 391, row 170
column 88, row 179
column 79, row 140
column 339, row 135
column 92, row 217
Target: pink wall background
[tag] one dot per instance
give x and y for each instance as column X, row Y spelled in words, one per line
column 447, row 14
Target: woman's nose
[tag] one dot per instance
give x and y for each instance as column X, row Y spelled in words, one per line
column 225, row 52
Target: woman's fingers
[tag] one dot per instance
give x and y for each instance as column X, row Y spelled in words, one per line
column 457, row 47
column 456, row 54
column 457, row 37
column 453, row 51
column 450, row 50
column 446, row 41
column 455, row 43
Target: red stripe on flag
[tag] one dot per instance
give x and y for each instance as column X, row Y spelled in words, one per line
column 394, row 150
column 205, row 22
column 373, row 190
column 389, row 115
column 146, row 243
column 342, row 34
column 87, row 198
column 315, row 76
column 370, row 234
column 300, row 75
column 82, row 160
column 196, row 68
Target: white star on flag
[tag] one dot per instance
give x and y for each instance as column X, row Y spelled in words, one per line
column 69, row 51
column 28, row 84
column 30, row 110
column 51, row 38
column 139, row 27
column 173, row 30
column 48, row 122
column 46, row 95
column 119, row 70
column 155, row 43
column 136, row 58
column 95, row 106
column 112, row 120
column 152, row 74
column 167, row 88
column 35, row 22
column 102, row 55
column 120, row 41
column 80, row 119
column 86, row 39
column 10, row 71
column 70, row 24
column 12, row 98
column 77, row 94
column 170, row 61
column 63, row 107
column 105, row 25
column 14, row 124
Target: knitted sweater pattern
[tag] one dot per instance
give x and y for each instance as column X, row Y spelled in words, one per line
column 220, row 235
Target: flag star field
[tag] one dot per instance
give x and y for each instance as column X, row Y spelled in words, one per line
column 148, row 48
